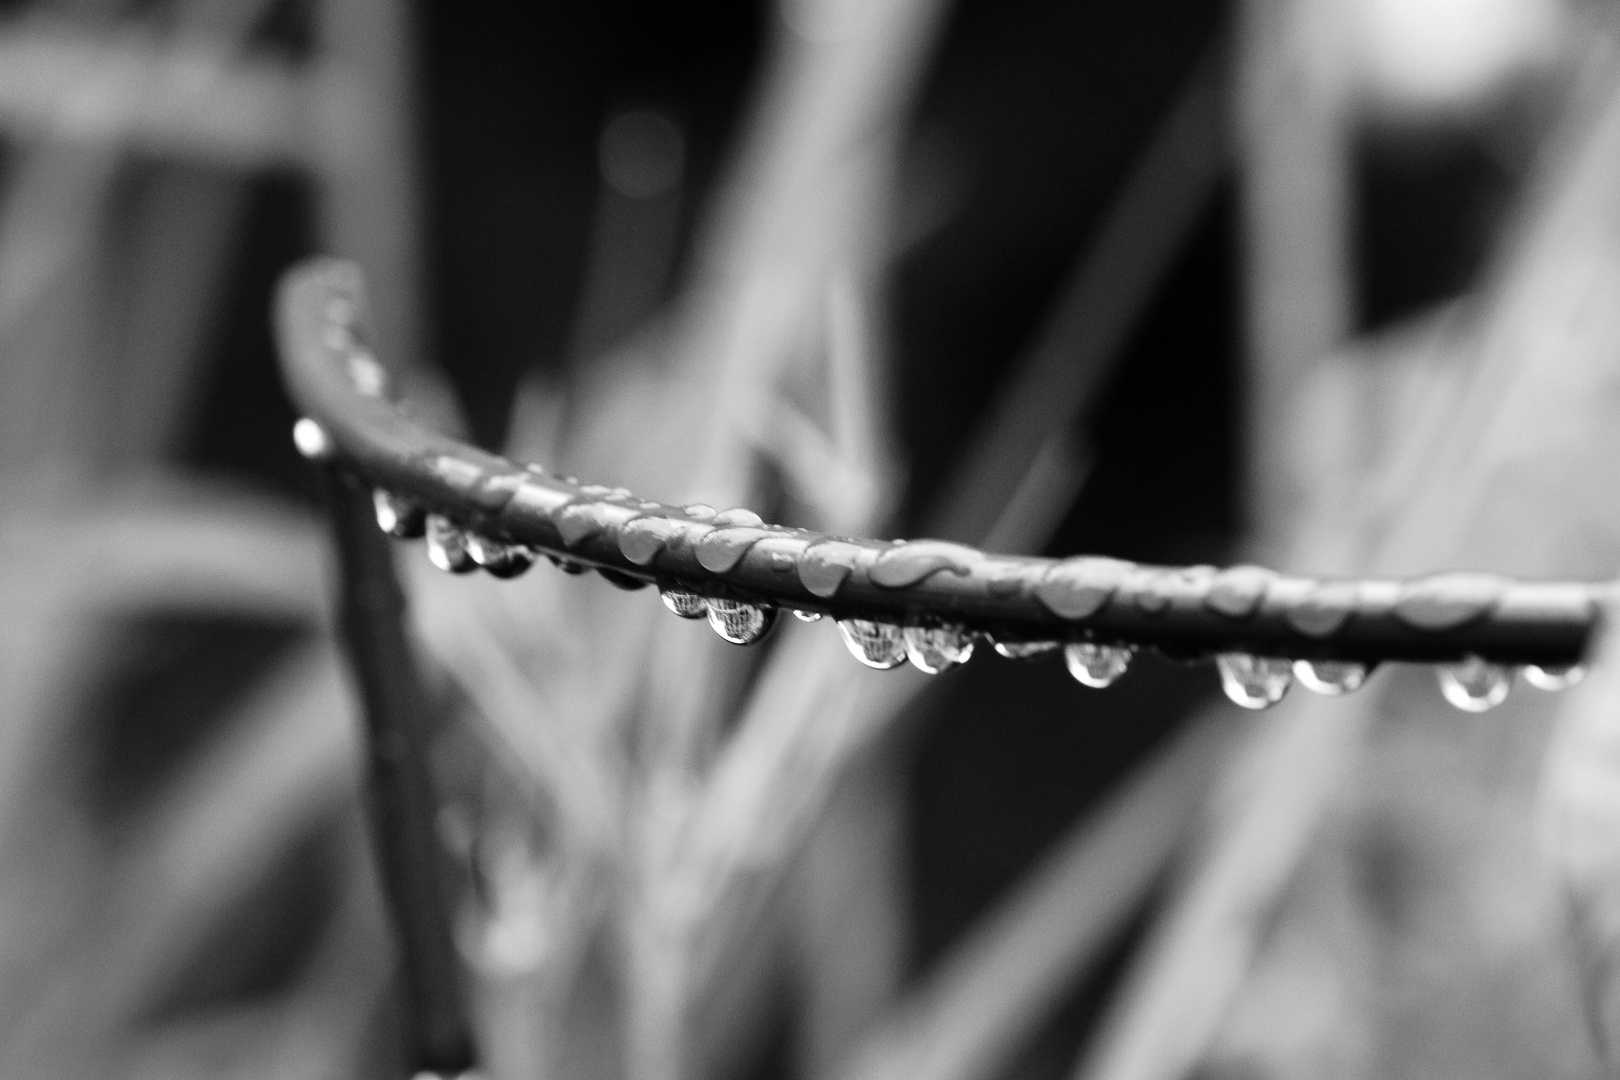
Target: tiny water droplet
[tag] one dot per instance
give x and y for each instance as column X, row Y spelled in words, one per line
column 311, row 439
column 1025, row 650
column 740, row 623
column 1553, row 678
column 688, row 605
column 1096, row 665
column 1474, row 684
column 501, row 559
column 806, row 616
column 1330, row 677
column 398, row 516
column 875, row 644
column 447, row 545
column 699, row 511
column 1254, row 682
column 932, row 649
column 367, row 376
column 738, row 515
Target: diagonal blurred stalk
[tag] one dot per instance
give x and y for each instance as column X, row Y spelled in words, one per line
column 978, row 1008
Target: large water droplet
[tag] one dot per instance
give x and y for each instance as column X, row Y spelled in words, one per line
column 1254, row 682
column 447, row 545
column 806, row 616
column 1025, row 650
column 1546, row 677
column 740, row 623
column 499, row 558
column 311, row 439
column 1096, row 665
column 932, row 649
column 875, row 644
column 1330, row 677
column 1475, row 685
column 398, row 516
column 688, row 605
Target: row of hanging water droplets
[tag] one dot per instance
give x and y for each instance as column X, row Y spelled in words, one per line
column 1253, row 682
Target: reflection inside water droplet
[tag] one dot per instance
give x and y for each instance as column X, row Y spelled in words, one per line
column 932, row 649
column 447, row 545
column 688, row 605
column 1474, row 684
column 501, row 559
column 567, row 566
column 1025, row 650
column 1254, row 682
column 806, row 616
column 877, row 645
column 738, row 622
column 1330, row 677
column 1096, row 665
column 1553, row 678
column 398, row 516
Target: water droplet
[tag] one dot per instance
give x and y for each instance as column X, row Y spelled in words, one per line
column 699, row 511
column 1077, row 588
column 1553, row 678
column 642, row 539
column 501, row 559
column 824, row 566
column 567, row 566
column 806, row 616
column 932, row 649
column 1025, row 650
column 1474, row 684
column 720, row 551
column 1330, row 677
column 1096, row 665
column 368, row 377
column 875, row 644
column 905, row 564
column 311, row 439
column 740, row 623
column 738, row 516
column 1254, row 682
column 688, row 605
column 447, row 545
column 1324, row 610
column 1237, row 591
column 398, row 516
column 1449, row 600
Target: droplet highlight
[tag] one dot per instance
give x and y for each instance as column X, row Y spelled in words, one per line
column 1553, row 678
column 740, row 623
column 1330, row 677
column 1025, row 650
column 1474, row 684
column 447, row 546
column 875, row 644
column 398, row 516
column 933, row 649
column 688, row 605
column 1254, row 682
column 806, row 616
column 499, row 558
column 311, row 439
column 1096, row 665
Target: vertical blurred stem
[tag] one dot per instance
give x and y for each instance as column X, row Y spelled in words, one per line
column 1295, row 184
column 402, row 805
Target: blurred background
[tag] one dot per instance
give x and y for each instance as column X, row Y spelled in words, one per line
column 1326, row 284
